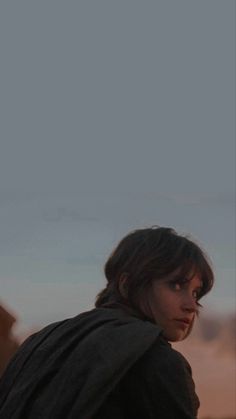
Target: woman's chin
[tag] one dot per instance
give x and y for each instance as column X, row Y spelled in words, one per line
column 175, row 336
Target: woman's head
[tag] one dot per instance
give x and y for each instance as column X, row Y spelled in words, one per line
column 149, row 255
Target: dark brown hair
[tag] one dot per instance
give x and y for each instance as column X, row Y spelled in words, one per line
column 147, row 254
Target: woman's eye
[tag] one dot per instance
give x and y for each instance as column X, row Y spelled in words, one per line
column 196, row 295
column 177, row 286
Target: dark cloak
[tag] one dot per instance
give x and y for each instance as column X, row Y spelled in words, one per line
column 71, row 368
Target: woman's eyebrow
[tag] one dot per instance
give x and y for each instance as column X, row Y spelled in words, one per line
column 201, row 285
column 180, row 278
column 185, row 279
column 199, row 288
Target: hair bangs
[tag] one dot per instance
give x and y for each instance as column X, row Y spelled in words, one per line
column 196, row 263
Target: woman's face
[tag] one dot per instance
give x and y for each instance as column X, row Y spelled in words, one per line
column 172, row 303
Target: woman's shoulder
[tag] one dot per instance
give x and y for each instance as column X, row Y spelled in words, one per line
column 162, row 379
column 161, row 358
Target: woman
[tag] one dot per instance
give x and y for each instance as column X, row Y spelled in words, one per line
column 116, row 360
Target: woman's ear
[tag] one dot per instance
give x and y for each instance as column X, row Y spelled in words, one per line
column 123, row 286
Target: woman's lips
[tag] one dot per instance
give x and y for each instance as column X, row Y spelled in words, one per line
column 183, row 322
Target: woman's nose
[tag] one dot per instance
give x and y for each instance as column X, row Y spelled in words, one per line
column 189, row 304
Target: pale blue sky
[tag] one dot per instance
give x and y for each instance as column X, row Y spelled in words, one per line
column 114, row 116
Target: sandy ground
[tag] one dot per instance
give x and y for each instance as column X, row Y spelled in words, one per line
column 214, row 373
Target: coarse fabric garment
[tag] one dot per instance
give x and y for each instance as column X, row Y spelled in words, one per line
column 104, row 363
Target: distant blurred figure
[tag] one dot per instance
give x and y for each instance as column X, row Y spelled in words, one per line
column 8, row 344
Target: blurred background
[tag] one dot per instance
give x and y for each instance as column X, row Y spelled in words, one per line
column 116, row 116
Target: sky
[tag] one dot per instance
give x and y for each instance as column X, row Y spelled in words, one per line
column 114, row 116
